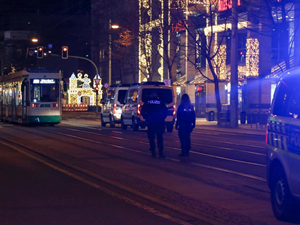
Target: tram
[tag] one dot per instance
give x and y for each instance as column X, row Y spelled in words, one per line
column 28, row 97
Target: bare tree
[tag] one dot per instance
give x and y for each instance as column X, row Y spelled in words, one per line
column 123, row 52
column 207, row 42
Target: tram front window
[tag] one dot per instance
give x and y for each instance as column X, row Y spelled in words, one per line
column 45, row 92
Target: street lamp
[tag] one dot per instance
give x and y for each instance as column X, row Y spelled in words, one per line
column 115, row 26
column 34, row 40
column 111, row 26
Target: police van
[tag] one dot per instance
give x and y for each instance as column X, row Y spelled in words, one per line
column 139, row 93
column 112, row 104
column 283, row 146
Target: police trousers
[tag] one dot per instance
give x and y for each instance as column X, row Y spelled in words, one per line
column 158, row 130
column 184, row 134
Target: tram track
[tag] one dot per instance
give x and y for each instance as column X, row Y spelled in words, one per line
column 109, row 187
column 174, row 167
column 206, row 214
column 202, row 137
column 167, row 147
column 193, row 143
column 60, row 134
column 177, row 149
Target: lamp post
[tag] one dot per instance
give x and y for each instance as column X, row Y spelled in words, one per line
column 34, row 40
column 111, row 26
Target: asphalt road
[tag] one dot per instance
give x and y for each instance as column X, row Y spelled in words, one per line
column 34, row 193
column 106, row 176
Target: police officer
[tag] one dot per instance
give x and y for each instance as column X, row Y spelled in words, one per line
column 185, row 124
column 155, row 112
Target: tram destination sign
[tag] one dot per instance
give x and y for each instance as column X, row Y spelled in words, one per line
column 44, row 81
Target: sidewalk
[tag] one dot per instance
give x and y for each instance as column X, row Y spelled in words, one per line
column 81, row 115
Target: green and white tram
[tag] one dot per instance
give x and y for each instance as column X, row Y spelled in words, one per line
column 30, row 97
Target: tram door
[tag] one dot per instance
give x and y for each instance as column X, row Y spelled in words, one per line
column 14, row 117
column 25, row 99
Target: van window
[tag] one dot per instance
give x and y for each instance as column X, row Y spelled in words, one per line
column 121, row 96
column 110, row 96
column 283, row 99
column 132, row 96
column 165, row 95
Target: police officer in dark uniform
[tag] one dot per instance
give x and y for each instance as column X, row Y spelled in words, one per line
column 155, row 112
column 186, row 120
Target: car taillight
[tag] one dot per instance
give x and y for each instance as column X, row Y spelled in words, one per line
column 174, row 110
column 267, row 132
column 114, row 108
column 55, row 105
column 34, row 105
column 138, row 109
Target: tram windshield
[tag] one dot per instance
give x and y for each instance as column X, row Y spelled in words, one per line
column 44, row 90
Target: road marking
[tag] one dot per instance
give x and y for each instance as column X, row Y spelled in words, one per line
column 231, row 149
column 176, row 160
column 230, row 171
column 228, row 159
column 224, row 142
column 117, row 132
column 103, row 189
column 198, row 153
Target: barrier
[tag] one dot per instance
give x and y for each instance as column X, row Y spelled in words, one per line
column 259, row 119
column 75, row 108
column 225, row 117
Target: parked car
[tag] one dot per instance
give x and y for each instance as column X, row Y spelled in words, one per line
column 112, row 104
column 136, row 96
column 283, row 146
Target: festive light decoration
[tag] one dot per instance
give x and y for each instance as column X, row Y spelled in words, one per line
column 146, row 37
column 252, row 57
column 75, row 92
column 181, row 4
column 220, row 61
column 180, row 81
column 223, row 27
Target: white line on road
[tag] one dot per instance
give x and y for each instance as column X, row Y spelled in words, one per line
column 230, row 171
column 198, row 153
column 176, row 160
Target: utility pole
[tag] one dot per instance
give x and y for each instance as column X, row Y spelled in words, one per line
column 234, row 67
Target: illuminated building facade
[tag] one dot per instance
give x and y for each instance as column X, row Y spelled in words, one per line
column 152, row 35
column 260, row 53
column 172, row 39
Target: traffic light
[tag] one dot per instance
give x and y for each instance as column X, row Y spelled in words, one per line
column 40, row 52
column 65, row 52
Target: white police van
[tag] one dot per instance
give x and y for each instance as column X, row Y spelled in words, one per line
column 136, row 96
column 283, row 146
column 112, row 104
